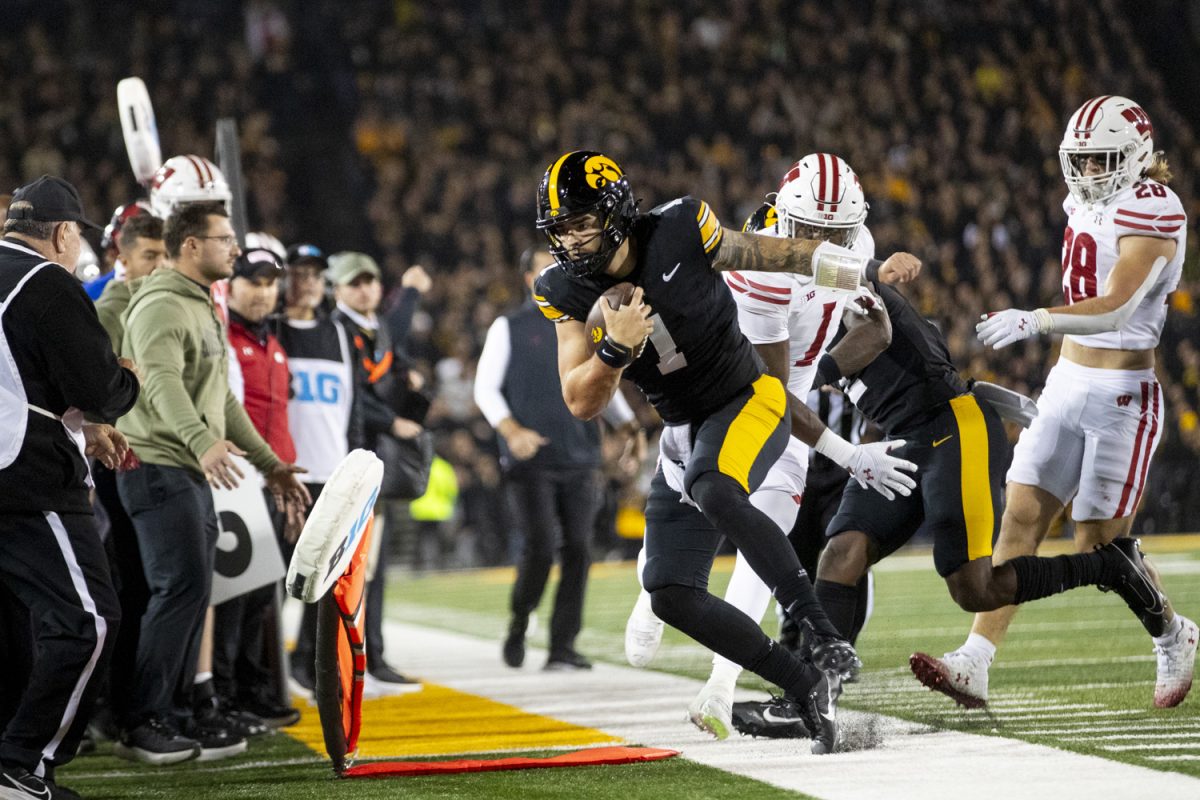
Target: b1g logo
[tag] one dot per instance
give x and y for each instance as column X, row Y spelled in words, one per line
column 321, row 387
column 600, row 171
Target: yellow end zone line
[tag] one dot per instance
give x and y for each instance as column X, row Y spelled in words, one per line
column 440, row 721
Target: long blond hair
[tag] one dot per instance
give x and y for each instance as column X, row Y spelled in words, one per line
column 1159, row 170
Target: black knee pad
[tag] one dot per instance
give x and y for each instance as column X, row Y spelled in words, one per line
column 717, row 494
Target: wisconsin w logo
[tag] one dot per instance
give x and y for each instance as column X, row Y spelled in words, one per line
column 1139, row 119
column 1124, row 400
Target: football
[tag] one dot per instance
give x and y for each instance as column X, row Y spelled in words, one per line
column 615, row 296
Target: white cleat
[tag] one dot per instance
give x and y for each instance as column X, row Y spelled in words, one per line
column 961, row 677
column 643, row 633
column 712, row 711
column 1176, row 662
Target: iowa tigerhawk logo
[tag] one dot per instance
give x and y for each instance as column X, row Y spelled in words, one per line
column 599, row 171
column 597, row 334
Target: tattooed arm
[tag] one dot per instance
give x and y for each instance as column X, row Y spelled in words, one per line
column 748, row 251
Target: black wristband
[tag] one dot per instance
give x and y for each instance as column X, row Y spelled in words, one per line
column 827, row 371
column 617, row 356
column 872, row 271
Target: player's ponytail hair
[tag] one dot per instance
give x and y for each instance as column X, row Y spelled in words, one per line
column 1159, row 170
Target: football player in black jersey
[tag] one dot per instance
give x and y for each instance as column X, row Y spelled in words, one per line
column 953, row 431
column 726, row 420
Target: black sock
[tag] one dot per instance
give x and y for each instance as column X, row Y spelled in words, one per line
column 1039, row 577
column 728, row 632
column 864, row 604
column 840, row 603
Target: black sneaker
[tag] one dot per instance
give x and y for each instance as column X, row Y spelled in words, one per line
column 832, row 654
column 241, row 722
column 819, row 710
column 777, row 718
column 1128, row 576
column 156, row 741
column 385, row 674
column 276, row 715
column 514, row 648
column 567, row 661
column 215, row 737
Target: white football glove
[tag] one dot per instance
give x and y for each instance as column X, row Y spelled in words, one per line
column 1002, row 328
column 874, row 467
column 863, row 301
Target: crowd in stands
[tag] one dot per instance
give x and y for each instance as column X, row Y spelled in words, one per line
column 437, row 120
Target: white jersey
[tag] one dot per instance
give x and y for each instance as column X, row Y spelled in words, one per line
column 773, row 306
column 1147, row 208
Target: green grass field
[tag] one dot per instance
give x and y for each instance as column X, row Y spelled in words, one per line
column 1076, row 673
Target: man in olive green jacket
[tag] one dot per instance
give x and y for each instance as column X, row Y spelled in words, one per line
column 140, row 244
column 184, row 428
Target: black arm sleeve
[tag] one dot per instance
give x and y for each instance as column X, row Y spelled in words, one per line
column 74, row 349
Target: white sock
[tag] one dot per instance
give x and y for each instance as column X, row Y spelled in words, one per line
column 979, row 647
column 1170, row 631
column 724, row 675
column 201, row 677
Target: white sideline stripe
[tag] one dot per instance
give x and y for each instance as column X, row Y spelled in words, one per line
column 646, row 707
column 1153, row 728
column 1116, row 712
column 89, row 605
column 1157, row 746
column 1174, row 757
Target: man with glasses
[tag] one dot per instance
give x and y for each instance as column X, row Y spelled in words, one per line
column 184, row 429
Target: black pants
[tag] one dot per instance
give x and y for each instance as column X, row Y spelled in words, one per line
column 303, row 658
column 172, row 512
column 59, row 618
column 553, row 506
column 125, row 562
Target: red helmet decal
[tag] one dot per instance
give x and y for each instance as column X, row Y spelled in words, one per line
column 1140, row 121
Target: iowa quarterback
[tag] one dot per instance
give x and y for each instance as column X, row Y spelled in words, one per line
column 726, row 420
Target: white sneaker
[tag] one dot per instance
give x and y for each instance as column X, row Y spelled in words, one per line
column 712, row 711
column 961, row 677
column 1176, row 661
column 643, row 632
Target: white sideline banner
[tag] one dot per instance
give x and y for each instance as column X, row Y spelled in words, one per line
column 247, row 552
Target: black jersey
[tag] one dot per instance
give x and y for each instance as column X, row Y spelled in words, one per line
column 697, row 358
column 908, row 383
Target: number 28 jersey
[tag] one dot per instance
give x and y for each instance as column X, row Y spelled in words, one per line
column 1090, row 251
column 697, row 359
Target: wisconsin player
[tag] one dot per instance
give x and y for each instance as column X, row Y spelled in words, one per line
column 725, row 419
column 1099, row 414
column 791, row 323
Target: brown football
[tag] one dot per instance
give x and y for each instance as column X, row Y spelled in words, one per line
column 615, row 296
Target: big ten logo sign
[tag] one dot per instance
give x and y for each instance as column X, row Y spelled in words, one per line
column 317, row 387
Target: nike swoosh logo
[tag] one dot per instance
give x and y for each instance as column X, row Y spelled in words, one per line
column 943, row 440
column 668, row 275
column 25, row 790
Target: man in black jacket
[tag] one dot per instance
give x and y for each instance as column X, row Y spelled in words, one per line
column 56, row 596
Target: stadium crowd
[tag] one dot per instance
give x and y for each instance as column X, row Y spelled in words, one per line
column 418, row 132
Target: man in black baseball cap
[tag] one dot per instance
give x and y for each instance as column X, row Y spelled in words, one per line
column 47, row 216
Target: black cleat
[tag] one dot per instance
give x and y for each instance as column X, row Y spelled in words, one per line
column 832, row 654
column 1128, row 576
column 567, row 661
column 777, row 718
column 818, row 708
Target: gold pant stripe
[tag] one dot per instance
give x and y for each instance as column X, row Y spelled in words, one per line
column 975, row 476
column 751, row 429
